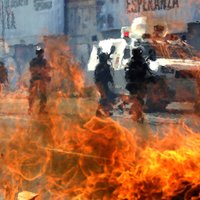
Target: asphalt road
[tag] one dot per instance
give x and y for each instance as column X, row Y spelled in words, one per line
column 14, row 112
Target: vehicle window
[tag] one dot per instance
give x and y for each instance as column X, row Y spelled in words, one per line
column 127, row 53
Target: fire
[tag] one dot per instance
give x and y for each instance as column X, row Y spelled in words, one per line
column 71, row 154
column 67, row 75
column 104, row 160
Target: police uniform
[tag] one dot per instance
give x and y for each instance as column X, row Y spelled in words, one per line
column 135, row 75
column 3, row 76
column 103, row 78
column 40, row 78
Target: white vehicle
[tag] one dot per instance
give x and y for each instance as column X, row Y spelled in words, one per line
column 176, row 60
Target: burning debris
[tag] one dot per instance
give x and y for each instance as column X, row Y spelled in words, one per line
column 65, row 155
column 26, row 195
column 102, row 159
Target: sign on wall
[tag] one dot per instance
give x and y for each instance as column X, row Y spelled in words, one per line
column 113, row 14
column 136, row 6
column 23, row 19
column 7, row 14
column 42, row 4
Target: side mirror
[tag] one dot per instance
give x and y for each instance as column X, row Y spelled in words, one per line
column 152, row 54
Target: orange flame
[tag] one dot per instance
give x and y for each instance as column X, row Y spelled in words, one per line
column 103, row 160
column 67, row 75
column 70, row 154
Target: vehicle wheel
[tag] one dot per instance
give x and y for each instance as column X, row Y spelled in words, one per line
column 157, row 97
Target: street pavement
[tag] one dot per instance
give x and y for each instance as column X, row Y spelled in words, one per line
column 13, row 113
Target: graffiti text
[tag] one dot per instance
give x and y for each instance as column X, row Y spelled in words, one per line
column 42, row 5
column 136, row 6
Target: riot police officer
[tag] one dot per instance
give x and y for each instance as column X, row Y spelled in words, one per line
column 40, row 78
column 3, row 76
column 104, row 81
column 135, row 75
column 135, row 72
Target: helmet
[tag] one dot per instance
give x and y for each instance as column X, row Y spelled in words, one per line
column 103, row 57
column 39, row 50
column 137, row 52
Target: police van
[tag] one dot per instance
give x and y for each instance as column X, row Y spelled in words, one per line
column 175, row 65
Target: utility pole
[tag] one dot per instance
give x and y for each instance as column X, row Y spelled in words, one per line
column 66, row 22
column 3, row 26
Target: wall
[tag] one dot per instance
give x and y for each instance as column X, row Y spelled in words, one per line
column 81, row 22
column 175, row 14
column 27, row 20
column 22, row 25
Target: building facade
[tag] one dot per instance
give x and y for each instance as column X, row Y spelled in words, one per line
column 174, row 14
column 81, row 28
column 88, row 20
column 23, row 23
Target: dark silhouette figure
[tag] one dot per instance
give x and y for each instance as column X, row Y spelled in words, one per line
column 135, row 75
column 3, row 76
column 104, row 80
column 40, row 78
column 135, row 72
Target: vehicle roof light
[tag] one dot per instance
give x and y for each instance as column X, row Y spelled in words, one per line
column 126, row 34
